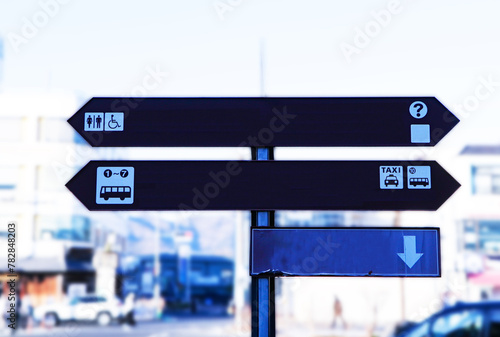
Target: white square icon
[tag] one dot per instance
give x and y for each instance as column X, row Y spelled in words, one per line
column 420, row 133
column 115, row 185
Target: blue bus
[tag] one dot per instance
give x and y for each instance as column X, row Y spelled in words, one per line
column 207, row 279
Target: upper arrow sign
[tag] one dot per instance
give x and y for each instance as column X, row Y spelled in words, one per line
column 262, row 185
column 257, row 121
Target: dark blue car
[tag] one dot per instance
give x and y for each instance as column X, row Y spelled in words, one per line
column 481, row 319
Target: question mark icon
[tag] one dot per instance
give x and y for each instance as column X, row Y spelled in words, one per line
column 418, row 109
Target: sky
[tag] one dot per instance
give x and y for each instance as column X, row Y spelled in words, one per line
column 103, row 47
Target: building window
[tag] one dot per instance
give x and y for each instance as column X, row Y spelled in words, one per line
column 72, row 228
column 48, row 180
column 9, row 177
column 10, row 129
column 482, row 236
column 485, row 180
column 55, row 130
column 4, row 220
column 489, row 237
column 308, row 218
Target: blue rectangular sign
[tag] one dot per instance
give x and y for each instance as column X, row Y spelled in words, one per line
column 399, row 252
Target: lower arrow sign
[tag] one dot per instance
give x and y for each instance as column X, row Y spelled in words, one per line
column 410, row 255
column 344, row 251
column 262, row 185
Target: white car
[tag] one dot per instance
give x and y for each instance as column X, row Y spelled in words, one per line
column 84, row 308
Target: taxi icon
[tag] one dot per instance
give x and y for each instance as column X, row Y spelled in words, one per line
column 391, row 180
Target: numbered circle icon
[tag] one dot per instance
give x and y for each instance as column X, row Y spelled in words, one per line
column 413, row 170
column 418, row 109
column 124, row 173
column 108, row 173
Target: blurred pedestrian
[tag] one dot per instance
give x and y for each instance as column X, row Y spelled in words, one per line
column 160, row 307
column 26, row 311
column 448, row 299
column 128, row 312
column 337, row 314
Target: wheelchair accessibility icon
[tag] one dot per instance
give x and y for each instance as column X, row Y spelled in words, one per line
column 113, row 124
column 114, row 121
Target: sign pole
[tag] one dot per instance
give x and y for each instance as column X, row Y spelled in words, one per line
column 263, row 289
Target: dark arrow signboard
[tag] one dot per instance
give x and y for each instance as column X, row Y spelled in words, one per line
column 262, row 185
column 281, row 251
column 263, row 121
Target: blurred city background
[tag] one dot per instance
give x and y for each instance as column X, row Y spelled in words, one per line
column 188, row 271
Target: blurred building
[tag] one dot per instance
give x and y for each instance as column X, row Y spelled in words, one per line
column 334, row 218
column 479, row 223
column 1, row 62
column 56, row 238
column 62, row 248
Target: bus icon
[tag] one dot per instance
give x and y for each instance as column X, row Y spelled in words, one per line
column 121, row 192
column 419, row 181
column 419, row 177
column 114, row 185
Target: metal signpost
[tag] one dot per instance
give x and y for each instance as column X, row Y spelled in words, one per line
column 263, row 185
column 263, row 298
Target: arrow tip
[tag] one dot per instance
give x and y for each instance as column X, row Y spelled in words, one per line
column 409, row 258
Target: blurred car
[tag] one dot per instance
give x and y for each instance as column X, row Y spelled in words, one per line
column 479, row 319
column 89, row 308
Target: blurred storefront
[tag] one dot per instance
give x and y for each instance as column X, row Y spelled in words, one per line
column 57, row 270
